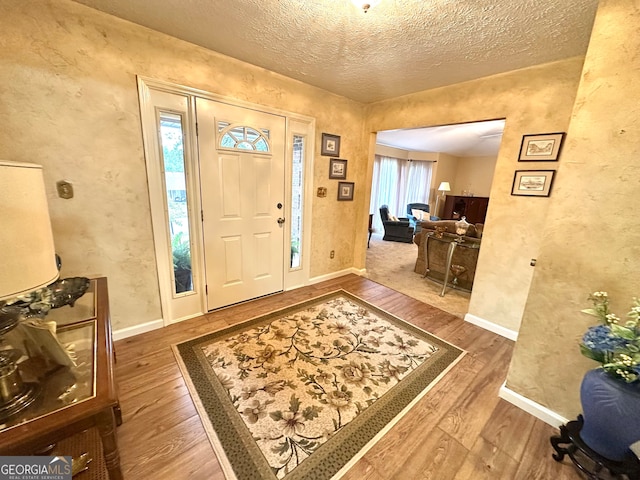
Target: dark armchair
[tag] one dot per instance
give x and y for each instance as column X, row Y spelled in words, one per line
column 400, row 231
column 413, row 221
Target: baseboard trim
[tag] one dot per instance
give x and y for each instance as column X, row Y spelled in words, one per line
column 340, row 273
column 156, row 324
column 137, row 329
column 187, row 317
column 492, row 327
column 543, row 413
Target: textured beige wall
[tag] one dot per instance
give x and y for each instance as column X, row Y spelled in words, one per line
column 533, row 100
column 391, row 152
column 446, row 169
column 475, row 174
column 68, row 101
column 591, row 240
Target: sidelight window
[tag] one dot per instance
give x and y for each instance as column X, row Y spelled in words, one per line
column 172, row 142
column 297, row 200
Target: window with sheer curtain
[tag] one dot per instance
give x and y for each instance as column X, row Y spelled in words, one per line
column 396, row 183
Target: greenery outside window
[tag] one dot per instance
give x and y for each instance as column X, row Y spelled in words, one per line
column 172, row 141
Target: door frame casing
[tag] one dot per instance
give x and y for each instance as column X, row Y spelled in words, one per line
column 296, row 124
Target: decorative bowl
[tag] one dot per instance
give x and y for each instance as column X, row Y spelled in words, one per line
column 67, row 291
column 9, row 317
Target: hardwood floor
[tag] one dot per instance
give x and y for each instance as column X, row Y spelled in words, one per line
column 460, row 430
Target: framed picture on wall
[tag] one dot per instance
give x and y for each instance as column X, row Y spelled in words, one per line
column 532, row 183
column 345, row 191
column 330, row 145
column 543, row 147
column 337, row 168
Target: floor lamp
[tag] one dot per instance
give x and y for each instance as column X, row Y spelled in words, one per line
column 444, row 187
column 27, row 263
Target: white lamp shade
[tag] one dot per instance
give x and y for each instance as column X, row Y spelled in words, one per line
column 444, row 187
column 27, row 252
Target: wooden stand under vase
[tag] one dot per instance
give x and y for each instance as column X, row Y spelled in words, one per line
column 601, row 437
column 588, row 461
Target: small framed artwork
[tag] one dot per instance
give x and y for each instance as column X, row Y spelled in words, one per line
column 532, row 183
column 338, row 168
column 345, row 191
column 544, row 147
column 330, row 145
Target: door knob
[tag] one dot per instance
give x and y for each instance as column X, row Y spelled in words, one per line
column 280, row 221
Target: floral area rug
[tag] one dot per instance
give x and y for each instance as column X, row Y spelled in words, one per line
column 303, row 392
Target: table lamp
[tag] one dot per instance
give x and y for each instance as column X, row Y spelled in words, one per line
column 444, row 187
column 27, row 263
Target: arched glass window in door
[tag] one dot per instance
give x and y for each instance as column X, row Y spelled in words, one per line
column 242, row 137
column 172, row 143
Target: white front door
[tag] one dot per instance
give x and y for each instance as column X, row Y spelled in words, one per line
column 242, row 160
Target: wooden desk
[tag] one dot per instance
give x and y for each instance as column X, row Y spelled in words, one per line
column 90, row 396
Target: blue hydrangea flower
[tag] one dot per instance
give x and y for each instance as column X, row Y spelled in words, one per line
column 599, row 339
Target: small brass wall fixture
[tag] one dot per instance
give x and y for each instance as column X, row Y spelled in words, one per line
column 65, row 189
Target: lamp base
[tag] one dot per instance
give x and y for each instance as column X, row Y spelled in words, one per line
column 15, row 395
column 29, row 393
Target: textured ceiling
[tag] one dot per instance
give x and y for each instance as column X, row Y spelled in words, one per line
column 398, row 47
column 478, row 139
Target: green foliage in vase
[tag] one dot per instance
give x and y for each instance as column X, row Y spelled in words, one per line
column 613, row 344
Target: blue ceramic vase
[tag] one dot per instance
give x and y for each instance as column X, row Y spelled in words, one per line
column 611, row 411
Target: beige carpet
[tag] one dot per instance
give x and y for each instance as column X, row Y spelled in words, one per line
column 392, row 263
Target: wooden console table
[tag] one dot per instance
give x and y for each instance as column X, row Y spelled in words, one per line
column 77, row 399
